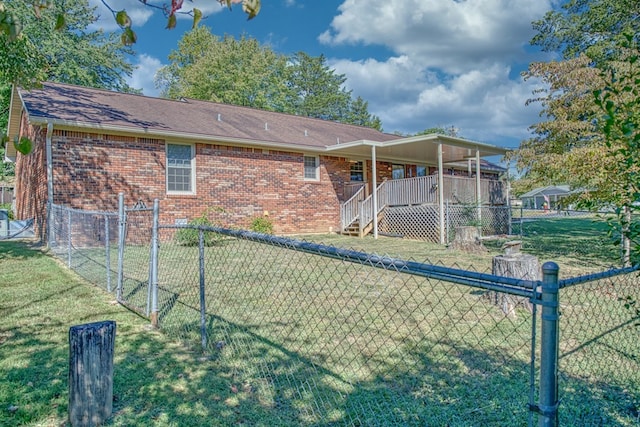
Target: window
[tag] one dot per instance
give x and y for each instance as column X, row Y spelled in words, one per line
column 180, row 168
column 421, row 170
column 311, row 168
column 357, row 171
column 397, row 171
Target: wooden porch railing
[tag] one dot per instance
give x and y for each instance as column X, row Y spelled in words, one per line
column 416, row 191
column 350, row 210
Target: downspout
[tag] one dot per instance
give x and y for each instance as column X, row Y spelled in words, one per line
column 441, row 195
column 478, row 191
column 49, row 155
column 374, row 181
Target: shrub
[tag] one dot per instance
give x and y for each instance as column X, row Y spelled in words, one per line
column 261, row 224
column 191, row 236
column 7, row 207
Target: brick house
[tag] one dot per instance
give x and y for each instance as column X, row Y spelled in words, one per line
column 90, row 144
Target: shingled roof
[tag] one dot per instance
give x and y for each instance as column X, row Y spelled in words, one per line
column 76, row 106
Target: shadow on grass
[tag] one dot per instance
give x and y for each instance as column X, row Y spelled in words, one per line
column 257, row 381
column 20, row 249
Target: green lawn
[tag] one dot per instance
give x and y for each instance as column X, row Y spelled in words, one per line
column 156, row 381
column 298, row 340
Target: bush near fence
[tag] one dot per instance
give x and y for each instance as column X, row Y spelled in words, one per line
column 327, row 336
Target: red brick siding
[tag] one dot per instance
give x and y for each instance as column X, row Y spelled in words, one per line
column 91, row 169
column 31, row 179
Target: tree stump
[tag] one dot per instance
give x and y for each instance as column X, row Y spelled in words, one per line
column 516, row 265
column 91, row 373
column 467, row 239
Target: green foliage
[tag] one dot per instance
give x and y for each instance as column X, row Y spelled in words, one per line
column 591, row 27
column 262, row 224
column 191, row 236
column 7, row 207
column 243, row 72
column 631, row 305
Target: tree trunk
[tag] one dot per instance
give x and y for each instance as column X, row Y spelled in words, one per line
column 91, row 373
column 467, row 239
column 518, row 266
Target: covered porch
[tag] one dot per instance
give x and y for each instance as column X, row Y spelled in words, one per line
column 421, row 171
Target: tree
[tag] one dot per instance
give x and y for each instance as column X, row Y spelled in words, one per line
column 590, row 27
column 318, row 91
column 620, row 125
column 239, row 72
column 11, row 26
column 71, row 54
column 571, row 145
column 243, row 72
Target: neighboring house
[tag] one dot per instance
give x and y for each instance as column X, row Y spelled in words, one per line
column 305, row 174
column 552, row 195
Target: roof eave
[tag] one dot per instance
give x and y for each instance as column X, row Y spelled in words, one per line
column 154, row 133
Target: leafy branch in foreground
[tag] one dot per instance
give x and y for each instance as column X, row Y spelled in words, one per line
column 11, row 27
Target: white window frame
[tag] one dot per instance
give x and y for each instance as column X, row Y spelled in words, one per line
column 317, row 167
column 362, row 171
column 192, row 169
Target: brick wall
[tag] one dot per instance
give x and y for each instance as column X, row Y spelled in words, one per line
column 91, row 169
column 31, row 179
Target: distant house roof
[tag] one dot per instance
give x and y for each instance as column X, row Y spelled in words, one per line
column 551, row 190
column 75, row 107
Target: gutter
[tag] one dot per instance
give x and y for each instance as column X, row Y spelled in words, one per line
column 49, row 160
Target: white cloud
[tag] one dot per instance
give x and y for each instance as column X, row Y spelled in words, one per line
column 450, row 35
column 451, row 63
column 142, row 77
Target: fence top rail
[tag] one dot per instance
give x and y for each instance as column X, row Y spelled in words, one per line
column 459, row 276
column 83, row 211
column 596, row 276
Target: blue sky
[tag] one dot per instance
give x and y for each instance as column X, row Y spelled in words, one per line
column 419, row 63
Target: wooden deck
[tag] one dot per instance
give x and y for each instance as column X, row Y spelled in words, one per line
column 356, row 214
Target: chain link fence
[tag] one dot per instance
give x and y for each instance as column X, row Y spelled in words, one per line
column 109, row 249
column 330, row 336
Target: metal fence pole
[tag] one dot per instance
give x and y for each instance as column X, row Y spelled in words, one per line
column 122, row 224
column 154, row 264
column 548, row 395
column 203, row 309
column 69, row 238
column 447, row 215
column 107, row 248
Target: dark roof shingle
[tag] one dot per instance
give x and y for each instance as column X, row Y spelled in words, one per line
column 74, row 105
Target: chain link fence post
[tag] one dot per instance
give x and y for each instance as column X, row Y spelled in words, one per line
column 203, row 308
column 122, row 224
column 107, row 248
column 548, row 397
column 69, row 238
column 153, row 280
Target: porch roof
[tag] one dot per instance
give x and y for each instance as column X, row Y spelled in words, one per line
column 418, row 149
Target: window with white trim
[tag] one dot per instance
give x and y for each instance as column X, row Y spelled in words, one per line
column 397, row 171
column 311, row 168
column 357, row 171
column 180, row 169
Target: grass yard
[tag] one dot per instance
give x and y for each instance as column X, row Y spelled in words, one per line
column 579, row 245
column 156, row 381
column 295, row 339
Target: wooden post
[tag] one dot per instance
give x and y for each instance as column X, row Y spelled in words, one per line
column 516, row 265
column 91, row 373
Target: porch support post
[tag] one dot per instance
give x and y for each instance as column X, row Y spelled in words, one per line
column 374, row 196
column 478, row 189
column 441, row 195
